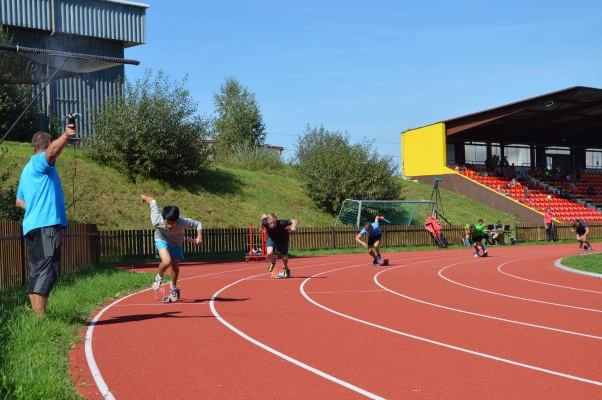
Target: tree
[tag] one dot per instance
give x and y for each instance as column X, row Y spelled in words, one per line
column 15, row 97
column 239, row 121
column 150, row 129
column 332, row 170
column 8, row 193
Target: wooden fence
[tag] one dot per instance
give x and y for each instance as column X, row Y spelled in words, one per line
column 216, row 240
column 84, row 245
column 80, row 251
column 537, row 232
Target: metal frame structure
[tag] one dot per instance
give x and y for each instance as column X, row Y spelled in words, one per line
column 359, row 210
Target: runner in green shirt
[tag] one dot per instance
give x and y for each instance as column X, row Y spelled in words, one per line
column 477, row 231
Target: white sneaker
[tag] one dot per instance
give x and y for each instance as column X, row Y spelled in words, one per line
column 476, row 254
column 174, row 294
column 157, row 283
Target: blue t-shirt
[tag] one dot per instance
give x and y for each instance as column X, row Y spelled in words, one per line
column 375, row 230
column 40, row 188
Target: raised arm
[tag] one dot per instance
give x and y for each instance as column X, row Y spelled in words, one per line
column 56, row 147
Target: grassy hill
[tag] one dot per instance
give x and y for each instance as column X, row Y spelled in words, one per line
column 220, row 198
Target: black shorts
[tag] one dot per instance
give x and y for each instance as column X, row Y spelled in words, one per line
column 44, row 248
column 281, row 247
column 374, row 239
column 477, row 239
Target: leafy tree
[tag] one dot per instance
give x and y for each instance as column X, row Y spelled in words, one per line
column 8, row 193
column 150, row 129
column 239, row 121
column 332, row 170
column 15, row 97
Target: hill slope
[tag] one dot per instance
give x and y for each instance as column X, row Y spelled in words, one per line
column 220, row 198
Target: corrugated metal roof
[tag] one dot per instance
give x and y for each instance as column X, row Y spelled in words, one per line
column 34, row 14
column 116, row 20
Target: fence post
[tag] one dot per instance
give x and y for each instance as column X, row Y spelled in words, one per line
column 23, row 262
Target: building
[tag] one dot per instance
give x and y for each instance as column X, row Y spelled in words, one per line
column 96, row 27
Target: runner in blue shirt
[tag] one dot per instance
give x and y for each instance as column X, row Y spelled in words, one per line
column 374, row 235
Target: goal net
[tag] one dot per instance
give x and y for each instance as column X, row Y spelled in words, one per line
column 397, row 212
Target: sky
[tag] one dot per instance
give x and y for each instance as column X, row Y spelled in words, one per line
column 372, row 69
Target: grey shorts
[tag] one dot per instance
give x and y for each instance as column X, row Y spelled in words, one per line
column 44, row 248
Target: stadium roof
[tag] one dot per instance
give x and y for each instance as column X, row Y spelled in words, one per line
column 569, row 117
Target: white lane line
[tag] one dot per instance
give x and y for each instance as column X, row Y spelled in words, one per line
column 476, row 353
column 102, row 386
column 98, row 379
column 180, row 303
column 477, row 314
column 282, row 355
column 515, row 297
column 543, row 283
column 350, row 291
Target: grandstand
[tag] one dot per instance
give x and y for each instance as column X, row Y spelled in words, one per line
column 550, row 144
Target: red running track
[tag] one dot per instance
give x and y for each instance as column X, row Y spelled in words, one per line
column 433, row 324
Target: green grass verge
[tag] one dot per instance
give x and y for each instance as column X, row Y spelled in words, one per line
column 34, row 351
column 223, row 197
column 585, row 262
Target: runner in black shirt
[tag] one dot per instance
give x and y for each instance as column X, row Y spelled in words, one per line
column 278, row 233
column 582, row 231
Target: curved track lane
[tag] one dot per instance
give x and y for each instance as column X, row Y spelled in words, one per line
column 436, row 324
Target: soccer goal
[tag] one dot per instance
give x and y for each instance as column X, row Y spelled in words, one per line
column 397, row 212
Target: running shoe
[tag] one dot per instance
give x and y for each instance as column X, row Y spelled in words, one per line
column 378, row 257
column 271, row 267
column 476, row 254
column 174, row 294
column 286, row 273
column 485, row 253
column 157, row 283
column 375, row 264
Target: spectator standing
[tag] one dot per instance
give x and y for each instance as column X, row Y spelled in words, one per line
column 40, row 194
column 547, row 219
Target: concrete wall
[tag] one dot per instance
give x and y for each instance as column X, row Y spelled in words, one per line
column 460, row 184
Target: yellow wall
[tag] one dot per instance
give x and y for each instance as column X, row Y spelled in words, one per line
column 423, row 151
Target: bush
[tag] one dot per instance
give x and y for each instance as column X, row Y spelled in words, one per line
column 256, row 159
column 150, row 129
column 332, row 170
column 8, row 193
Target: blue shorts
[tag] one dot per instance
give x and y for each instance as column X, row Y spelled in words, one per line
column 282, row 248
column 176, row 252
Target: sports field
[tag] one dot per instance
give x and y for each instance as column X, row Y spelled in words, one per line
column 432, row 324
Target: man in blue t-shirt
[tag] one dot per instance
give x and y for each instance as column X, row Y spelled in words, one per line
column 374, row 235
column 40, row 194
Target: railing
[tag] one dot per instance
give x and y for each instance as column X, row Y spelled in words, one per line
column 80, row 251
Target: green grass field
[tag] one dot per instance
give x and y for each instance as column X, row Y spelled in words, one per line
column 585, row 262
column 220, row 198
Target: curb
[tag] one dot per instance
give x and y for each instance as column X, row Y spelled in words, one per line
column 558, row 264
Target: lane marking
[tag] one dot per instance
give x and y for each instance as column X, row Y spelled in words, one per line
column 350, row 291
column 544, row 283
column 98, row 379
column 476, row 353
column 282, row 355
column 440, row 273
column 474, row 313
